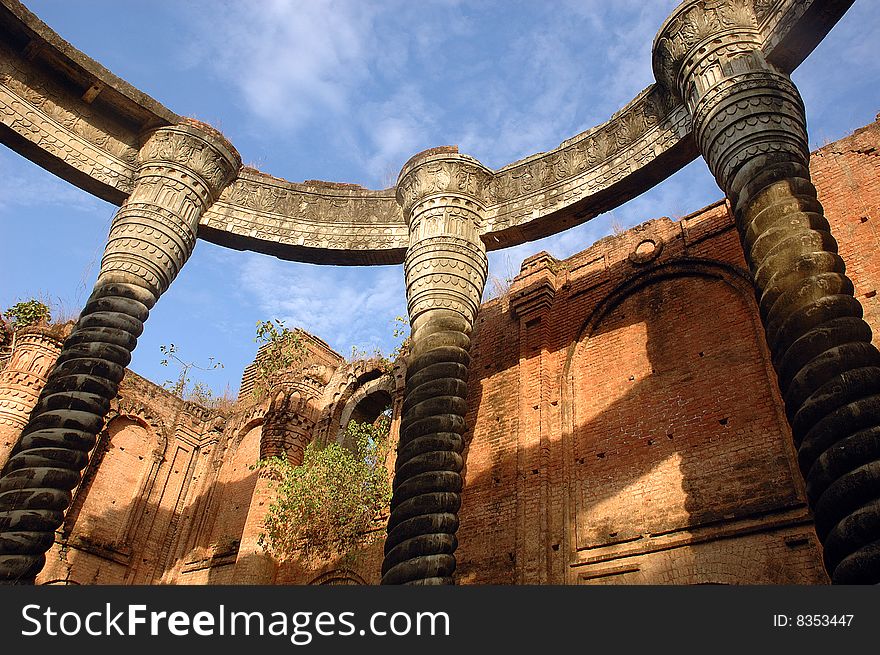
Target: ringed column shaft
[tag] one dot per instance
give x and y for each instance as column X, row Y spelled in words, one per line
column 183, row 169
column 36, row 350
column 749, row 125
column 445, row 268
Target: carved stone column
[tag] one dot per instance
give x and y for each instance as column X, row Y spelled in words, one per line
column 749, row 125
column 182, row 171
column 36, row 349
column 441, row 194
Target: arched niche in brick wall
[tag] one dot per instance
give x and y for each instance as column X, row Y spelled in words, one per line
column 109, row 504
column 365, row 404
column 338, row 577
column 253, row 423
column 366, row 392
column 233, row 490
column 62, row 582
column 671, row 415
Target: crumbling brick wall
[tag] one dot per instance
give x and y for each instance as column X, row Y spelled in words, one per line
column 624, row 427
column 625, row 420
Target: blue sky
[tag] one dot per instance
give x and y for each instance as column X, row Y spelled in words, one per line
column 347, row 91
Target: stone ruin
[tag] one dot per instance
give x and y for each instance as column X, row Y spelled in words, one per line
column 691, row 401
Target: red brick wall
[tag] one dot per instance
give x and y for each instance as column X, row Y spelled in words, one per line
column 847, row 175
column 624, row 426
column 234, row 488
column 110, row 498
column 127, row 523
column 625, row 421
column 107, row 510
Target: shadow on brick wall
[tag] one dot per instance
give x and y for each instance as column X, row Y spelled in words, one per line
column 150, row 542
column 654, row 449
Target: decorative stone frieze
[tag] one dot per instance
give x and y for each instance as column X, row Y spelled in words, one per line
column 182, row 171
column 708, row 53
column 48, row 102
column 749, row 124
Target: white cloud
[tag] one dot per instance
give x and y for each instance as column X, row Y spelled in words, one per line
column 289, row 60
column 583, row 62
column 384, row 81
column 26, row 185
column 394, row 130
column 344, row 306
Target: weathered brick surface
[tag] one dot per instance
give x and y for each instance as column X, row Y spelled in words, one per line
column 623, row 406
column 22, row 378
column 847, row 176
column 624, row 427
column 127, row 516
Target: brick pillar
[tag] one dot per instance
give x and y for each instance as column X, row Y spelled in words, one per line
column 288, row 428
column 25, row 374
column 183, row 169
column 253, row 565
column 531, row 299
column 441, row 194
column 750, row 127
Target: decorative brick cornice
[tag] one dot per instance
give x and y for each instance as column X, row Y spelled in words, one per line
column 534, row 288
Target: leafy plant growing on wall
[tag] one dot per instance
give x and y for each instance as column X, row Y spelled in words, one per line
column 183, row 387
column 401, row 333
column 26, row 313
column 280, row 349
column 328, row 504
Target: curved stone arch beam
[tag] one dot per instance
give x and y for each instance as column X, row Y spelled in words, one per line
column 315, row 222
column 72, row 116
column 66, row 112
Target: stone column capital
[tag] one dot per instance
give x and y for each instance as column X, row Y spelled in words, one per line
column 190, row 151
column 183, row 169
column 442, row 195
column 746, row 113
column 700, row 33
column 441, row 176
